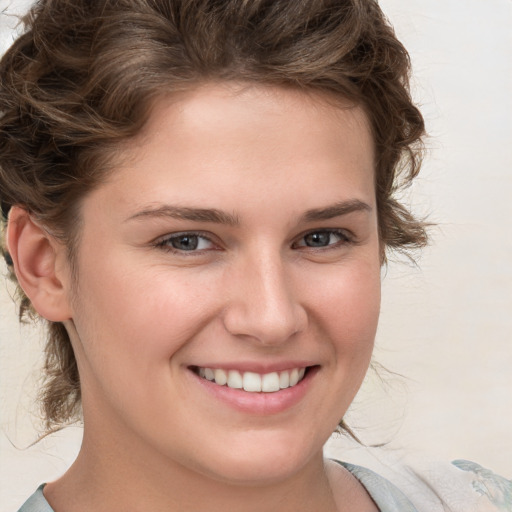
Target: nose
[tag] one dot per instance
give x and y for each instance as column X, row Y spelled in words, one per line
column 262, row 302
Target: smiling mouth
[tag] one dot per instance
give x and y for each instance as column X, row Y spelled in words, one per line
column 251, row 381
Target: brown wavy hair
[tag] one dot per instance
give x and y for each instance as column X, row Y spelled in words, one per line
column 82, row 77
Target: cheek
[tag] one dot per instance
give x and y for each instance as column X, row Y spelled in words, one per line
column 134, row 321
column 348, row 301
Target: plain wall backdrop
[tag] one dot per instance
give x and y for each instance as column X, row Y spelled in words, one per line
column 446, row 325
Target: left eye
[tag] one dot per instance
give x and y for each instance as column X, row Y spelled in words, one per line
column 323, row 239
column 186, row 242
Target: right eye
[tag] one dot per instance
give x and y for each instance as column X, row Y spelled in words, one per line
column 185, row 242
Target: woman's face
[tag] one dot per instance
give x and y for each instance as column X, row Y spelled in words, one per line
column 237, row 239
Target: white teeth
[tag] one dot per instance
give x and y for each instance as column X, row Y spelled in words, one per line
column 221, row 377
column 270, row 382
column 235, row 380
column 294, row 377
column 251, row 381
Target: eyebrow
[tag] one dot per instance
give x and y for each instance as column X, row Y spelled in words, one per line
column 220, row 217
column 193, row 214
column 335, row 210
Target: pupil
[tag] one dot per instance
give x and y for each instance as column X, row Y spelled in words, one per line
column 186, row 243
column 317, row 239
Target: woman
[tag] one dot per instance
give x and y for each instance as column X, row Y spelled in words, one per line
column 198, row 199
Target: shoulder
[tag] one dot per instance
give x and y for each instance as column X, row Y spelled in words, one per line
column 387, row 496
column 460, row 486
column 36, row 503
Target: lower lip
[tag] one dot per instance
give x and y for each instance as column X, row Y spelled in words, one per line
column 259, row 403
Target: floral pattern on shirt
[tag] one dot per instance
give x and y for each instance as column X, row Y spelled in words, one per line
column 486, row 483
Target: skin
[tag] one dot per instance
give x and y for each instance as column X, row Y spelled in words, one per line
column 143, row 312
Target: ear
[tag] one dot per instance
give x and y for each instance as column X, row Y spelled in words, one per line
column 40, row 265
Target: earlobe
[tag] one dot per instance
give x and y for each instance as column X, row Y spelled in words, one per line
column 38, row 263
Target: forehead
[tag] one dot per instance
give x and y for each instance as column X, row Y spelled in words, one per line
column 239, row 109
column 226, row 143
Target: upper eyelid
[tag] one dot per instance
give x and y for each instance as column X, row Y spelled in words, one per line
column 177, row 234
column 201, row 234
column 340, row 231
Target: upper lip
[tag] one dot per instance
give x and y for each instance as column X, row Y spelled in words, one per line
column 256, row 367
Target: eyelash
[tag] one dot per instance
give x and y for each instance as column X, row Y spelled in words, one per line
column 165, row 243
column 345, row 239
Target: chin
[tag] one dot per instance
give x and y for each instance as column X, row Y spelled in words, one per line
column 264, row 459
column 254, row 473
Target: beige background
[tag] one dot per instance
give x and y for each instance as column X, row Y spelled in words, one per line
column 446, row 326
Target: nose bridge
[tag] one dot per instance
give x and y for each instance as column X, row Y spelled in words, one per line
column 263, row 301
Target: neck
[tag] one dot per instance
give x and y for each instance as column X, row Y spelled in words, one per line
column 116, row 474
